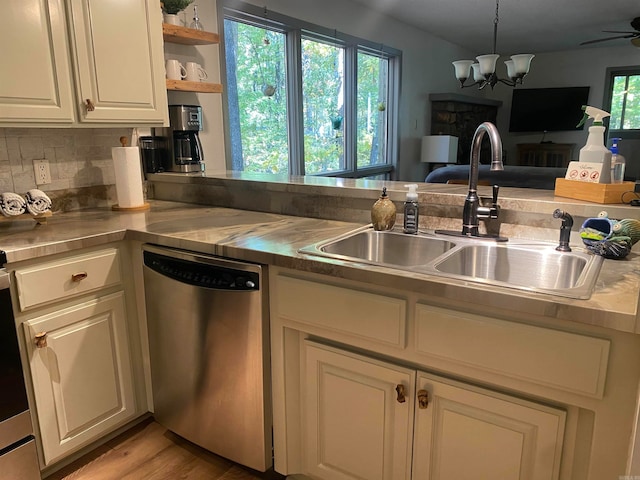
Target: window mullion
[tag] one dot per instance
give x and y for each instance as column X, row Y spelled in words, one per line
column 294, row 101
column 393, row 107
column 624, row 101
column 350, row 108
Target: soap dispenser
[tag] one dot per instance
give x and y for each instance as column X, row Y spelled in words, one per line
column 411, row 211
column 383, row 212
column 617, row 163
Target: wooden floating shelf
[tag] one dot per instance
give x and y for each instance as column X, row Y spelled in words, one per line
column 188, row 36
column 199, row 87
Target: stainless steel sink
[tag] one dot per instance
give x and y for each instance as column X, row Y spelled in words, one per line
column 523, row 265
column 535, row 267
column 387, row 248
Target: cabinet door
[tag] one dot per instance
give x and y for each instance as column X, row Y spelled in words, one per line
column 82, row 377
column 353, row 425
column 467, row 433
column 35, row 78
column 119, row 60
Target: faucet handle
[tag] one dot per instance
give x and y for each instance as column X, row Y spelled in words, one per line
column 492, row 211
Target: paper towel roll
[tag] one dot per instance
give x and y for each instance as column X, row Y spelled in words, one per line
column 126, row 162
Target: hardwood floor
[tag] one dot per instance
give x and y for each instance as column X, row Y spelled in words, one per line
column 148, row 451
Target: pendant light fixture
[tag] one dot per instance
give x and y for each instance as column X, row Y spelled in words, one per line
column 484, row 71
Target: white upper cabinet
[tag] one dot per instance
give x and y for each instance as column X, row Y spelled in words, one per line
column 35, row 78
column 94, row 62
column 119, row 60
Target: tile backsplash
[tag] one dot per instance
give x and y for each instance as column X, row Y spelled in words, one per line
column 79, row 160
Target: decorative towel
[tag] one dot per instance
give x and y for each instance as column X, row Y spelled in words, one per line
column 37, row 202
column 12, row 204
column 608, row 237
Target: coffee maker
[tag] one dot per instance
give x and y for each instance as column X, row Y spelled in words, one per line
column 185, row 149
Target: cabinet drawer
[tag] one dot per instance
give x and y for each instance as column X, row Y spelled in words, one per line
column 366, row 315
column 67, row 277
column 566, row 361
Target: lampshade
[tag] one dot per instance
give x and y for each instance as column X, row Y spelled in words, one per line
column 522, row 63
column 439, row 149
column 511, row 69
column 463, row 68
column 487, row 63
column 477, row 76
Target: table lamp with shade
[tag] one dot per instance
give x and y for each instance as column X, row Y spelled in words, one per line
column 439, row 149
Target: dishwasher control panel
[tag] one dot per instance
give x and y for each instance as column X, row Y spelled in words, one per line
column 202, row 274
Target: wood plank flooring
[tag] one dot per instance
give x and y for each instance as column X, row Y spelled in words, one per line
column 148, row 451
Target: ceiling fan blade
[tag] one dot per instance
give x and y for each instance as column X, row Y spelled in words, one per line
column 607, row 39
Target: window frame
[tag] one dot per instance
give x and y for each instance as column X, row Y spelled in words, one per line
column 611, row 72
column 295, row 30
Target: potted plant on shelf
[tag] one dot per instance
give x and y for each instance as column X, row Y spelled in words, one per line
column 170, row 9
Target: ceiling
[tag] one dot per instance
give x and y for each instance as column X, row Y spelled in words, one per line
column 526, row 26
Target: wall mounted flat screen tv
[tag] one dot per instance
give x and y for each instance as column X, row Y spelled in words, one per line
column 547, row 109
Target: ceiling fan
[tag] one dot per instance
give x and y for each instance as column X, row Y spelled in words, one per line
column 634, row 36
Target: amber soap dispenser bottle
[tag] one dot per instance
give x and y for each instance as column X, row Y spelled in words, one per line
column 383, row 212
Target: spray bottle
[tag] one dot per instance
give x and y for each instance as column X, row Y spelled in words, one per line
column 411, row 211
column 617, row 163
column 594, row 151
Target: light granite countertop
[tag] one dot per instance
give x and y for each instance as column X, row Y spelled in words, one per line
column 274, row 239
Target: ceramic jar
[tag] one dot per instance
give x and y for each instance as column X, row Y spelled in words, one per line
column 383, row 212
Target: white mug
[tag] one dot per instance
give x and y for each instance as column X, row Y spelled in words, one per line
column 175, row 70
column 195, row 73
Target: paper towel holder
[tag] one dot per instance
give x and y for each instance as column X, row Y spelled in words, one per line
column 137, row 208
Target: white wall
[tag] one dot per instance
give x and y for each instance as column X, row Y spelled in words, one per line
column 574, row 68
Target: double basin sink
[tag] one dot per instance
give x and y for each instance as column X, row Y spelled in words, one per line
column 520, row 264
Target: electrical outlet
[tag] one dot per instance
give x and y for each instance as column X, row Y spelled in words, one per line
column 41, row 169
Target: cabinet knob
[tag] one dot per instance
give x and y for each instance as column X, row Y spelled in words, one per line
column 423, row 399
column 89, row 105
column 78, row 277
column 40, row 339
column 401, row 393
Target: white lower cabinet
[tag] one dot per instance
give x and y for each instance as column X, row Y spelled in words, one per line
column 463, row 432
column 367, row 419
column 355, row 424
column 81, row 373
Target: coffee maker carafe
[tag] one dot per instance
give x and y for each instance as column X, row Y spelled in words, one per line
column 186, row 149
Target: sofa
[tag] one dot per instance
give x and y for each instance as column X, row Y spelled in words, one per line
column 512, row 176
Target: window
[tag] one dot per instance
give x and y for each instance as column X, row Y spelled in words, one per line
column 257, row 98
column 303, row 99
column 323, row 100
column 622, row 99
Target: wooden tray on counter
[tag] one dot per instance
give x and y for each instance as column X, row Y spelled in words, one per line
column 593, row 192
column 39, row 219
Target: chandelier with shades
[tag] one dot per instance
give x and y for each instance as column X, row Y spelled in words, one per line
column 484, row 70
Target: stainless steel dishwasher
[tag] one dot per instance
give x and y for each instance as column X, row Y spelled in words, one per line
column 208, row 339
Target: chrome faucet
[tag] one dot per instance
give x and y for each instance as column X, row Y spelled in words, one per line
column 473, row 210
column 565, row 229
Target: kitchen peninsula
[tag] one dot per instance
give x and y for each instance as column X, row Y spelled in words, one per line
column 580, row 359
